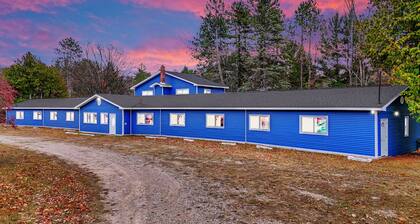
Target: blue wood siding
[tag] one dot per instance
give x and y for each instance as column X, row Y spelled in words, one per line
column 195, row 125
column 397, row 143
column 45, row 122
column 105, row 107
column 213, row 90
column 61, row 119
column 348, row 132
column 145, row 129
column 127, row 122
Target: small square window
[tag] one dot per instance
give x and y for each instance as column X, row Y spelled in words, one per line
column 53, row 115
column 182, row 91
column 69, row 116
column 259, row 122
column 144, row 118
column 177, row 119
column 316, row 125
column 20, row 115
column 215, row 120
column 207, row 91
column 147, row 93
column 37, row 115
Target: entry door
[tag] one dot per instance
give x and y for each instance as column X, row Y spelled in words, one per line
column 384, row 137
column 112, row 124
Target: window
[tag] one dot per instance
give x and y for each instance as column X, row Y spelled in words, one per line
column 90, row 118
column 215, row 120
column 69, row 116
column 20, row 115
column 177, row 119
column 147, row 93
column 37, row 115
column 182, row 91
column 317, row 125
column 207, row 91
column 104, row 118
column 144, row 119
column 53, row 115
column 406, row 126
column 259, row 122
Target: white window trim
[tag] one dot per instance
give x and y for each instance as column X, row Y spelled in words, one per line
column 101, row 120
column 224, row 121
column 37, row 118
column 310, row 133
column 177, row 125
column 147, row 93
column 207, row 91
column 145, row 115
column 181, row 91
column 52, row 117
column 259, row 122
column 71, row 117
column 86, row 121
column 20, row 117
column 406, row 126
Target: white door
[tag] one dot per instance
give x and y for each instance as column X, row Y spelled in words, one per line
column 384, row 137
column 112, row 124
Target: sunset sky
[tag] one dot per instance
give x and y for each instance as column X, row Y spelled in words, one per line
column 153, row 32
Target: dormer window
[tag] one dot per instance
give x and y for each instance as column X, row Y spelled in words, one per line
column 147, row 93
column 182, row 91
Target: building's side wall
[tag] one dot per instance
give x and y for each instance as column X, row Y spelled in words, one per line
column 46, row 121
column 105, row 107
column 61, row 119
column 213, row 90
column 145, row 129
column 195, row 125
column 397, row 143
column 348, row 132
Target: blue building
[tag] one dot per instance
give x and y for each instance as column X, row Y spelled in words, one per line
column 174, row 83
column 347, row 121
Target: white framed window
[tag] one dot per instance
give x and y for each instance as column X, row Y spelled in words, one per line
column 104, row 118
column 53, row 115
column 259, row 122
column 147, row 93
column 215, row 120
column 182, row 91
column 315, row 125
column 144, row 118
column 69, row 116
column 207, row 91
column 20, row 115
column 406, row 126
column 177, row 119
column 90, row 118
column 37, row 115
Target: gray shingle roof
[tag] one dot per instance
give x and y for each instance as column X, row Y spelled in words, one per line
column 332, row 99
column 362, row 98
column 196, row 79
column 51, row 103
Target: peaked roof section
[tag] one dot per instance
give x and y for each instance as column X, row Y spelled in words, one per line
column 365, row 98
column 50, row 103
column 191, row 78
column 362, row 98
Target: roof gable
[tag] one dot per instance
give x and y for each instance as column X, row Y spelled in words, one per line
column 189, row 78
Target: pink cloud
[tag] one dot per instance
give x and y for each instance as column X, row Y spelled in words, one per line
column 10, row 6
column 171, row 52
column 197, row 7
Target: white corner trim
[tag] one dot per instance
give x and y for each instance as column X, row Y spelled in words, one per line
column 376, row 134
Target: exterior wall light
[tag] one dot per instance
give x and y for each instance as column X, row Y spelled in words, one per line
column 396, row 113
column 373, row 112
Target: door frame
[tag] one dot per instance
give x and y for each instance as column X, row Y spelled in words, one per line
column 114, row 130
column 384, row 148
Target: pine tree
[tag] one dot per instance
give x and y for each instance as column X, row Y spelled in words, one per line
column 268, row 26
column 210, row 44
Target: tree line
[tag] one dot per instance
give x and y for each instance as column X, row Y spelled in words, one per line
column 251, row 45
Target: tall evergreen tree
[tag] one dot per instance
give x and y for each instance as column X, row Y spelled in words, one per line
column 209, row 45
column 268, row 26
column 307, row 17
column 68, row 54
column 240, row 38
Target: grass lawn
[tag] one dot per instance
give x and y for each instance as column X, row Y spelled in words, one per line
column 36, row 188
column 278, row 184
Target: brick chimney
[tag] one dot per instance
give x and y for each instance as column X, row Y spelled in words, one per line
column 162, row 74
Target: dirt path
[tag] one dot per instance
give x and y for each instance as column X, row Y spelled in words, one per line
column 135, row 191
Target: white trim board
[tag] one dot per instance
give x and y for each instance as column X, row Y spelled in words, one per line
column 94, row 97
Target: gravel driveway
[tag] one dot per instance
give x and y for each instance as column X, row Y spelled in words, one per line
column 135, row 191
